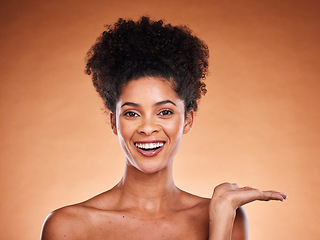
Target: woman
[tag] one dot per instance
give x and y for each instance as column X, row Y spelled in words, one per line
column 150, row 76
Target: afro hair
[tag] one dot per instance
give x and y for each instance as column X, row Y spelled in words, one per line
column 129, row 50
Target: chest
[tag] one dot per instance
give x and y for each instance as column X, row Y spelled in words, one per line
column 170, row 228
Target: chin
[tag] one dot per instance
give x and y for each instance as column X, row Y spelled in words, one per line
column 151, row 167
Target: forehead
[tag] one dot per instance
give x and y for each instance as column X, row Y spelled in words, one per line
column 151, row 89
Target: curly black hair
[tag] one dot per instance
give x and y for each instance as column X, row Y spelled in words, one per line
column 129, row 50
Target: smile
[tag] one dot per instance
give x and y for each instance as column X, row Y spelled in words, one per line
column 149, row 149
column 149, row 146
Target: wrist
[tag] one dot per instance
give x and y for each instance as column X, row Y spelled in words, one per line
column 222, row 215
column 219, row 204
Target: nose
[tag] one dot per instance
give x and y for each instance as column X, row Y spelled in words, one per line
column 148, row 126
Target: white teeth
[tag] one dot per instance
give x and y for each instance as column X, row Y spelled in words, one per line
column 149, row 145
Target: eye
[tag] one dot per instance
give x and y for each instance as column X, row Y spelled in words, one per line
column 165, row 112
column 130, row 114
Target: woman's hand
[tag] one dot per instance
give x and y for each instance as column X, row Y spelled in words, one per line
column 237, row 196
column 226, row 199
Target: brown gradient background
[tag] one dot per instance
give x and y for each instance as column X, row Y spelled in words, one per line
column 257, row 126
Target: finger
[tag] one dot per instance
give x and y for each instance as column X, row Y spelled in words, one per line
column 266, row 195
column 284, row 196
column 273, row 195
column 247, row 194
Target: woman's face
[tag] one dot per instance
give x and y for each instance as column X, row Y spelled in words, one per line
column 149, row 122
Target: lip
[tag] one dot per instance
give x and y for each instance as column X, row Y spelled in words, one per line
column 149, row 153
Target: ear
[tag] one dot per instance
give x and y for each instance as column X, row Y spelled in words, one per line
column 113, row 123
column 188, row 122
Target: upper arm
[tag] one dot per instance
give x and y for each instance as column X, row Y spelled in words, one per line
column 240, row 226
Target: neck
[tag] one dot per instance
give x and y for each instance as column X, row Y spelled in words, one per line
column 147, row 192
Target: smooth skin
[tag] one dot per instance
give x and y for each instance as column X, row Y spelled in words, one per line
column 146, row 203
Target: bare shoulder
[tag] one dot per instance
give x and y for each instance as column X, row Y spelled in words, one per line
column 75, row 221
column 65, row 223
column 240, row 226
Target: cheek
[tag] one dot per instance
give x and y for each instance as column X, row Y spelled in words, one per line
column 174, row 128
column 124, row 130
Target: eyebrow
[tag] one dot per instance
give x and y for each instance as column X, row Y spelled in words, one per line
column 164, row 102
column 132, row 104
